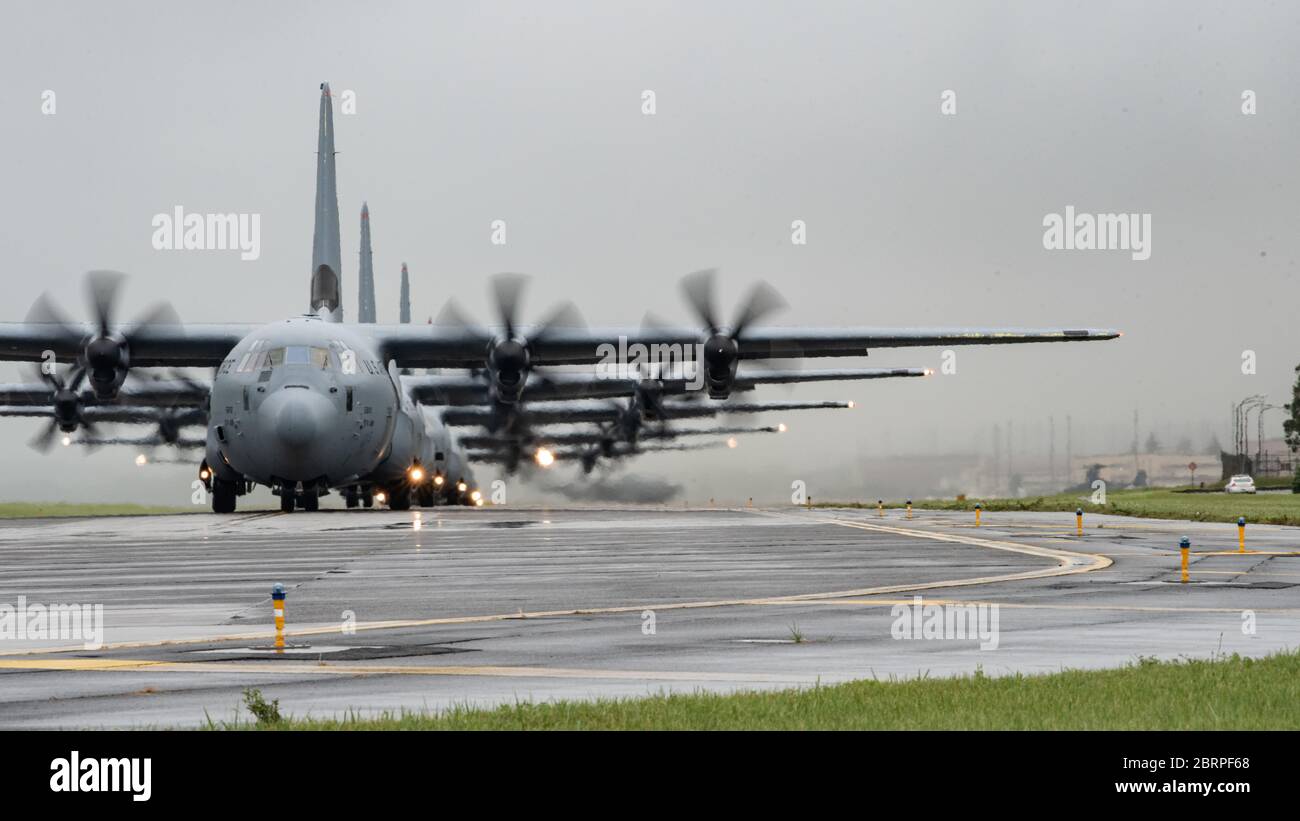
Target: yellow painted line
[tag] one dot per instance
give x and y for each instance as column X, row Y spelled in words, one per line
column 1068, row 563
column 1032, row 606
column 1246, row 553
column 327, row 668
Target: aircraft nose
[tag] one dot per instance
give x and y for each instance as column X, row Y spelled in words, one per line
column 298, row 417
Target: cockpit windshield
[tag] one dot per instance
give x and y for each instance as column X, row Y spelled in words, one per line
column 299, row 355
column 289, row 355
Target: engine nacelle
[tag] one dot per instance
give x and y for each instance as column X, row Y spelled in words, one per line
column 721, row 355
column 106, row 365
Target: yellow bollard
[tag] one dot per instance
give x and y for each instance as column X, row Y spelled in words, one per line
column 1241, row 534
column 880, row 508
column 909, row 508
column 978, row 508
column 1078, row 521
column 1184, row 545
column 750, row 503
column 277, row 601
column 808, row 503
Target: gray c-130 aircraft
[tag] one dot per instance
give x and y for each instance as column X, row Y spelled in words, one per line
column 313, row 403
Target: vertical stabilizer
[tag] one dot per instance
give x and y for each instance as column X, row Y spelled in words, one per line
column 366, row 282
column 404, row 312
column 326, row 263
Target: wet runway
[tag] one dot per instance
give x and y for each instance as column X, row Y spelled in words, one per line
column 427, row 609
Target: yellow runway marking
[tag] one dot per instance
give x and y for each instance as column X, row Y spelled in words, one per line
column 1068, row 563
column 327, row 668
column 1032, row 606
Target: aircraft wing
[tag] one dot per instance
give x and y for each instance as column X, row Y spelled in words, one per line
column 560, row 413
column 434, row 346
column 576, row 453
column 468, row 389
column 431, row 346
column 147, row 393
column 180, row 346
column 591, row 437
column 97, row 414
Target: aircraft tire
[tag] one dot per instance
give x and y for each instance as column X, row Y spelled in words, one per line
column 223, row 496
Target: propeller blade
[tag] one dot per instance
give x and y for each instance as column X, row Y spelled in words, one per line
column 76, row 376
column 43, row 440
column 698, row 288
column 507, row 292
column 564, row 315
column 102, row 288
column 44, row 311
column 763, row 300
column 161, row 314
column 452, row 315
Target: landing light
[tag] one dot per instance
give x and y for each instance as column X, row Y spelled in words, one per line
column 732, row 443
column 781, row 428
column 544, row 457
column 438, row 480
column 416, row 474
column 67, row 440
column 852, row 404
column 141, row 460
column 381, row 497
column 476, row 496
column 462, row 487
column 478, row 502
column 204, row 474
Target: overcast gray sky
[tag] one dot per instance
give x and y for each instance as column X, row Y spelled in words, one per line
column 766, row 113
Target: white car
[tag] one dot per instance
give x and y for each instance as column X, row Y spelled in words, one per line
column 1240, row 484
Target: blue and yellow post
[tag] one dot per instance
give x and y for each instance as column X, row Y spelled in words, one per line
column 1241, row 534
column 978, row 508
column 1078, row 521
column 1184, row 545
column 909, row 508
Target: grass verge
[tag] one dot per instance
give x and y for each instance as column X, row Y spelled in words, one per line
column 1225, row 693
column 1155, row 503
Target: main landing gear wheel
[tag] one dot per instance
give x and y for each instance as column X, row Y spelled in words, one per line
column 286, row 501
column 368, row 498
column 350, row 497
column 223, row 496
column 399, row 498
column 309, row 501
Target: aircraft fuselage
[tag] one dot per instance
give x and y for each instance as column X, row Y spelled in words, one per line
column 309, row 401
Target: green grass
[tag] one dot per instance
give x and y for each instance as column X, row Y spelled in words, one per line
column 32, row 510
column 1226, row 693
column 1156, row 503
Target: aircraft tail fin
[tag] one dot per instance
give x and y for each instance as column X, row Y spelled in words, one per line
column 326, row 277
column 366, row 282
column 404, row 312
